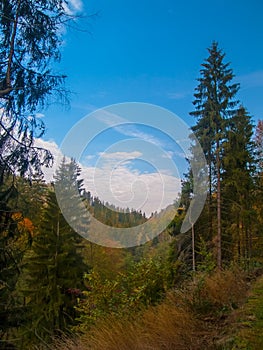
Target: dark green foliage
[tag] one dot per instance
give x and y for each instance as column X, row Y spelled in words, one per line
column 113, row 216
column 259, row 144
column 227, row 223
column 214, row 105
column 10, row 258
column 51, row 296
column 30, row 40
column 258, row 205
column 52, row 280
column 129, row 292
column 68, row 188
column 15, row 239
column 31, row 198
column 238, row 187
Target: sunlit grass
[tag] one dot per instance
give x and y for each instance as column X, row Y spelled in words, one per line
column 189, row 318
column 250, row 324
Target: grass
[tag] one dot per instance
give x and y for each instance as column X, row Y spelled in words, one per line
column 250, row 322
column 193, row 318
column 166, row 326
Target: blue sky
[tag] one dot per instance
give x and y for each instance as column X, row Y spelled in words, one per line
column 151, row 51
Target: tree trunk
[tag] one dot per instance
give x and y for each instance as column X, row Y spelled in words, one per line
column 8, row 84
column 193, row 247
column 219, row 229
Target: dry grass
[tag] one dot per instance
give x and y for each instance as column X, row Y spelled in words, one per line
column 171, row 326
column 166, row 326
column 218, row 291
column 226, row 288
column 177, row 323
column 66, row 343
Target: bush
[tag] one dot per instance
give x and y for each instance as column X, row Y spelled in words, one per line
column 143, row 285
column 221, row 291
column 188, row 318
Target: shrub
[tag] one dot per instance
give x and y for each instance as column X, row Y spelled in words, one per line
column 130, row 292
column 221, row 290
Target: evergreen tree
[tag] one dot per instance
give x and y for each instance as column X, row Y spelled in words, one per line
column 70, row 196
column 30, row 37
column 10, row 258
column 259, row 145
column 53, row 270
column 259, row 190
column 20, row 202
column 238, row 187
column 214, row 105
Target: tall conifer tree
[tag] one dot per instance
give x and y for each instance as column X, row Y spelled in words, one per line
column 214, row 105
column 30, row 38
column 53, row 274
column 259, row 186
column 238, row 186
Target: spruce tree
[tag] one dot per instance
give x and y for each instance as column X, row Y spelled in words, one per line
column 214, row 105
column 53, row 270
column 10, row 259
column 238, row 187
column 259, row 189
column 259, row 145
column 30, row 37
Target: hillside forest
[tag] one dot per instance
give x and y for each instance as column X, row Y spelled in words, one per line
column 61, row 291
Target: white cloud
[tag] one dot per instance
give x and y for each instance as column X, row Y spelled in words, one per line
column 54, row 149
column 76, row 4
column 121, row 155
column 131, row 130
column 73, row 6
column 112, row 181
column 88, row 159
column 124, row 188
column 40, row 115
column 110, row 119
column 126, row 128
column 168, row 155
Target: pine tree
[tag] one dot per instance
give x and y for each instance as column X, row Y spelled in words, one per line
column 30, row 37
column 10, row 258
column 238, row 186
column 53, row 273
column 214, row 105
column 259, row 144
column 259, row 189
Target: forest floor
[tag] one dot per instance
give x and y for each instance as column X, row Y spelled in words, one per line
column 245, row 325
column 173, row 325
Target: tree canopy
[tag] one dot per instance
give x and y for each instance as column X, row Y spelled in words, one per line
column 30, row 35
column 215, row 103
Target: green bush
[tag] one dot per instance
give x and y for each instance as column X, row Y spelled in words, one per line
column 143, row 285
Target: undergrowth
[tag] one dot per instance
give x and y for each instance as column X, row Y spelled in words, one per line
column 192, row 317
column 248, row 325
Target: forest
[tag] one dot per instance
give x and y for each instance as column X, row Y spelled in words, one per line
column 178, row 291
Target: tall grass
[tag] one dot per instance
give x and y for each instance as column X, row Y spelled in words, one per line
column 219, row 291
column 166, row 326
column 177, row 323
